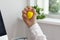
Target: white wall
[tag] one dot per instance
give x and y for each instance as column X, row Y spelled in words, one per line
column 51, row 31
column 11, row 10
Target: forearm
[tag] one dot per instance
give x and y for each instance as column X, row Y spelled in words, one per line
column 37, row 32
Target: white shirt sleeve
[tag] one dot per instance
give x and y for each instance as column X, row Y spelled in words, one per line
column 37, row 33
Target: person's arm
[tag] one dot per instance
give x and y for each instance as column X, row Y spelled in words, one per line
column 37, row 33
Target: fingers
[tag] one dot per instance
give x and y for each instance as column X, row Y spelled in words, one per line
column 26, row 9
column 25, row 19
column 33, row 10
column 24, row 12
column 29, row 9
column 31, row 21
column 24, row 16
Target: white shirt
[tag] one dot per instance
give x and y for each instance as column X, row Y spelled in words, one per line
column 36, row 33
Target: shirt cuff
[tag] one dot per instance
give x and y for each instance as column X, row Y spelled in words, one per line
column 36, row 30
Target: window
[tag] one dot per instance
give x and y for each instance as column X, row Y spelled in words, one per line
column 54, row 6
column 51, row 7
column 44, row 4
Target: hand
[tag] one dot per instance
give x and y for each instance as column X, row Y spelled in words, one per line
column 31, row 21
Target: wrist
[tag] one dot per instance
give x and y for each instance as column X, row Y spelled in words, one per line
column 31, row 24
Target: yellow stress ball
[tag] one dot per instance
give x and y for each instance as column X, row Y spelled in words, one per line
column 29, row 14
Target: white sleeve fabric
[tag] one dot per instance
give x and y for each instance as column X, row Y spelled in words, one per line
column 37, row 33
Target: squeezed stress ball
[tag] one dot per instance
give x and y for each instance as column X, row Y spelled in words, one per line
column 30, row 14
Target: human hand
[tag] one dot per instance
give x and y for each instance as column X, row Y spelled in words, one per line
column 31, row 21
